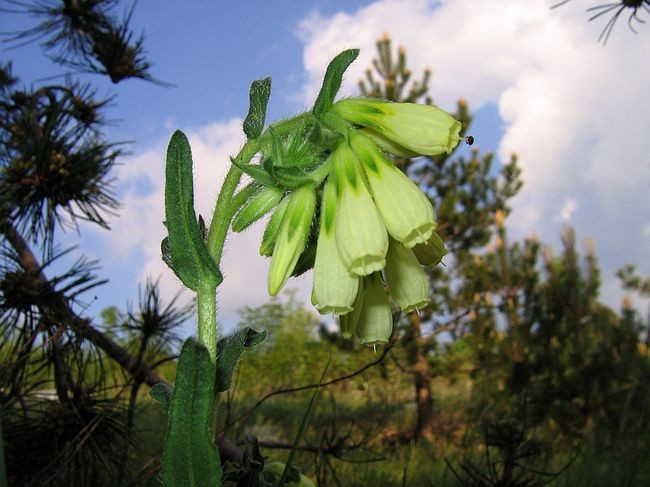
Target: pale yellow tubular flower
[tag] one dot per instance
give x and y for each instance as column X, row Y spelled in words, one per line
column 335, row 288
column 375, row 324
column 407, row 282
column 419, row 129
column 361, row 236
column 404, row 208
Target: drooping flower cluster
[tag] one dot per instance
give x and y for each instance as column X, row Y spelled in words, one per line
column 352, row 215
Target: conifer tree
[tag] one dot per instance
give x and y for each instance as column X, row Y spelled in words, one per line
column 65, row 418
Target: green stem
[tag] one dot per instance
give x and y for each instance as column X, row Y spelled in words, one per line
column 225, row 208
column 223, row 213
column 206, row 304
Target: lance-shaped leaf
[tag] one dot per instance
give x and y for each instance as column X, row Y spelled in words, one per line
column 332, row 80
column 185, row 248
column 259, row 98
column 190, row 457
column 229, row 349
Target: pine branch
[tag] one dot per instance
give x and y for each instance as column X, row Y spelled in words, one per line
column 58, row 310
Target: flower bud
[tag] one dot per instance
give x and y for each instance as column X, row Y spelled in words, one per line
column 376, row 321
column 407, row 282
column 292, row 237
column 361, row 236
column 420, row 129
column 404, row 208
column 431, row 252
column 334, row 287
column 263, row 201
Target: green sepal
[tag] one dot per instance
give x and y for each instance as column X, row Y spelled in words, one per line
column 273, row 228
column 162, row 393
column 292, row 178
column 190, row 457
column 229, row 349
column 332, row 80
column 185, row 249
column 255, row 171
column 323, row 136
column 259, row 98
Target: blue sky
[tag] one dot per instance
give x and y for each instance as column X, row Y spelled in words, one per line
column 539, row 84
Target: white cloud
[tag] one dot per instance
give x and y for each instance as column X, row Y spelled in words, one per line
column 574, row 111
column 139, row 229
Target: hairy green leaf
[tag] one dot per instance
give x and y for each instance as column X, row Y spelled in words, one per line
column 190, row 457
column 259, row 98
column 229, row 349
column 185, row 248
column 332, row 80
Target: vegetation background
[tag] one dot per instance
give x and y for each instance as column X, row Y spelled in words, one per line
column 516, row 374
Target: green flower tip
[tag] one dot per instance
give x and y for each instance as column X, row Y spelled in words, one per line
column 375, row 321
column 431, row 252
column 403, row 129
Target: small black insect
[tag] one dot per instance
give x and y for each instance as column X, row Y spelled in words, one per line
column 469, row 139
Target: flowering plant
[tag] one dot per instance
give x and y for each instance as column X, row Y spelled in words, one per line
column 338, row 206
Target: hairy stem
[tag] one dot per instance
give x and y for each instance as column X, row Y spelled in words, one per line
column 224, row 211
column 206, row 304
